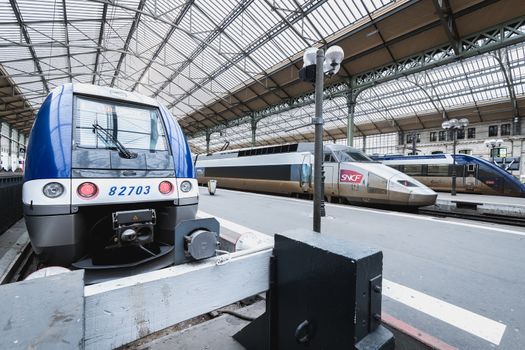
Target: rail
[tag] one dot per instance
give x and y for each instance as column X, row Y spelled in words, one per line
column 11, row 209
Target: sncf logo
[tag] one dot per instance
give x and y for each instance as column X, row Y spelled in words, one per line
column 350, row 176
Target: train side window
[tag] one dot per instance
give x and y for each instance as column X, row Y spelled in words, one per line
column 493, row 130
column 437, row 170
column 413, row 169
column 329, row 158
column 460, row 170
column 471, row 133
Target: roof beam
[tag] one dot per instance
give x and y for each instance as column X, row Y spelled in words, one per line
column 219, row 29
column 494, row 38
column 131, row 32
column 204, row 44
column 444, row 12
column 272, row 33
column 186, row 7
column 67, row 40
column 100, row 38
column 23, row 28
column 403, row 37
column 510, row 86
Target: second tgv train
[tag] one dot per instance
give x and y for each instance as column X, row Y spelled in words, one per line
column 350, row 175
column 108, row 176
column 473, row 174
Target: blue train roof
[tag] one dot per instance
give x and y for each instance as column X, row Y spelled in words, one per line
column 49, row 151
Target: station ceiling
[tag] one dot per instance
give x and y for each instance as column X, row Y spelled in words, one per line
column 214, row 62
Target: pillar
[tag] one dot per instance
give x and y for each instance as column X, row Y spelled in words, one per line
column 350, row 103
column 254, row 131
column 208, row 137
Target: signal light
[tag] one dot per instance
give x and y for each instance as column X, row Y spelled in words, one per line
column 185, row 186
column 165, row 187
column 53, row 190
column 87, row 190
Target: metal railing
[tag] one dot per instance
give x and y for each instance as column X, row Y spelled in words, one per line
column 11, row 209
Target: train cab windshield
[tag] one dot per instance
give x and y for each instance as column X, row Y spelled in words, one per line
column 351, row 155
column 104, row 124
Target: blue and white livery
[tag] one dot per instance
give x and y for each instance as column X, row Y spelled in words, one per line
column 108, row 174
column 473, row 174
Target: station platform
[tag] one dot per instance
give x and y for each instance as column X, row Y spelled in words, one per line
column 505, row 210
column 217, row 333
column 453, row 279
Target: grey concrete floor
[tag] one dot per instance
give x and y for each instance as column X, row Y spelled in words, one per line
column 477, row 266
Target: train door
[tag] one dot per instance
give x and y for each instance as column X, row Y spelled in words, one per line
column 306, row 174
column 331, row 176
column 470, row 176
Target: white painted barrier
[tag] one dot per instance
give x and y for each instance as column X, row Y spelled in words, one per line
column 121, row 311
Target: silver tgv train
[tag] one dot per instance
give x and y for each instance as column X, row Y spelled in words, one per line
column 350, row 175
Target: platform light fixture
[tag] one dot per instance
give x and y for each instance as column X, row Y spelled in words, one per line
column 317, row 64
column 454, row 125
column 493, row 144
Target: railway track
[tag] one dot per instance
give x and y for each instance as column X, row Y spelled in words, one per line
column 18, row 263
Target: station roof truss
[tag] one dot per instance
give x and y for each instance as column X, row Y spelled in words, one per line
column 224, row 67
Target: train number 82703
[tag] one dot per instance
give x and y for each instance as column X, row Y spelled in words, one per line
column 129, row 190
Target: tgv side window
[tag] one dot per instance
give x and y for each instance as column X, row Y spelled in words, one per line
column 328, row 157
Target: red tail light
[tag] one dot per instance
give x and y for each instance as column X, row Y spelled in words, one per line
column 87, row 190
column 165, row 187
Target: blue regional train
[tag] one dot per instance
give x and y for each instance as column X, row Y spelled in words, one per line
column 108, row 176
column 473, row 174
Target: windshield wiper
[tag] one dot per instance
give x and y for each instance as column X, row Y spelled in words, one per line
column 123, row 151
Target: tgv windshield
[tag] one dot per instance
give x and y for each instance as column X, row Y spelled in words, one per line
column 351, row 155
column 136, row 127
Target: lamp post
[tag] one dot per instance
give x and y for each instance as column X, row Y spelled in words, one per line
column 316, row 65
column 492, row 144
column 454, row 125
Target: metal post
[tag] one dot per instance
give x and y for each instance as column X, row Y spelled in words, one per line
column 318, row 150
column 350, row 103
column 208, row 137
column 10, row 147
column 254, row 129
column 454, row 136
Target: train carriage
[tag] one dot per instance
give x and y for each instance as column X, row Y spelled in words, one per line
column 108, row 176
column 473, row 174
column 350, row 175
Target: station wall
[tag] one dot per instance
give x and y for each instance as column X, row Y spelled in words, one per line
column 12, row 144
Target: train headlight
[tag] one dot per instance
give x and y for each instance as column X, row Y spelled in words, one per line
column 185, row 186
column 165, row 187
column 53, row 190
column 87, row 190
